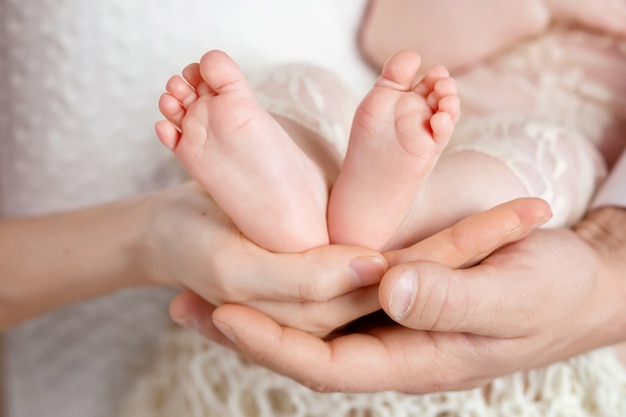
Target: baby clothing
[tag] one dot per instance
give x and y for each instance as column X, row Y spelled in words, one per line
column 613, row 192
column 553, row 110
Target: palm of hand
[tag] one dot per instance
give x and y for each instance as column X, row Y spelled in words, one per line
column 502, row 321
column 521, row 308
column 221, row 266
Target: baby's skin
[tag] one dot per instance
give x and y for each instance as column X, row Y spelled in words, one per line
column 272, row 190
column 243, row 157
column 399, row 131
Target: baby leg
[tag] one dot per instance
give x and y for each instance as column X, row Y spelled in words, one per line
column 398, row 132
column 243, row 157
column 495, row 159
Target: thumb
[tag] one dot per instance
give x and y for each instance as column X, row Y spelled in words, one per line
column 429, row 296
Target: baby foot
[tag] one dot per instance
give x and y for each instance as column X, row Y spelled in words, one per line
column 248, row 163
column 398, row 133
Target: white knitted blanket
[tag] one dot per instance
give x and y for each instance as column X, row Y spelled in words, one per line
column 196, row 378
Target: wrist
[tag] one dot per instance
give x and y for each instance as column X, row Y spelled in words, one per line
column 145, row 251
column 134, row 256
column 161, row 237
column 59, row 259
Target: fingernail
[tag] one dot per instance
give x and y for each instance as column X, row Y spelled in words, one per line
column 367, row 270
column 225, row 329
column 187, row 323
column 403, row 294
column 545, row 213
column 544, row 219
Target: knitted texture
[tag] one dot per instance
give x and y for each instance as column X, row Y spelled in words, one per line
column 197, row 378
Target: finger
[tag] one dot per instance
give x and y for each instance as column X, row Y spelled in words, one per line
column 474, row 238
column 322, row 318
column 192, row 312
column 386, row 359
column 477, row 300
column 538, row 283
column 320, row 274
column 291, row 352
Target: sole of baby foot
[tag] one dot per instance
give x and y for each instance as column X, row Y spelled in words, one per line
column 398, row 133
column 243, row 157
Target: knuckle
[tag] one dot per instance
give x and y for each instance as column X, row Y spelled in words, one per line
column 321, row 381
column 458, row 303
column 310, row 290
column 461, row 243
column 313, row 319
column 322, row 387
column 431, row 303
column 465, row 372
column 224, row 274
column 443, row 302
column 326, row 383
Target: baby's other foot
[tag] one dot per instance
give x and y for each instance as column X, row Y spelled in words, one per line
column 398, row 133
column 255, row 172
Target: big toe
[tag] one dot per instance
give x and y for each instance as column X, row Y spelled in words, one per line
column 221, row 73
column 400, row 70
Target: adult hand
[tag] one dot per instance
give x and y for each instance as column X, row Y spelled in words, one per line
column 192, row 244
column 547, row 297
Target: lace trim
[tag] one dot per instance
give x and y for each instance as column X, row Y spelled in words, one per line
column 552, row 162
column 310, row 96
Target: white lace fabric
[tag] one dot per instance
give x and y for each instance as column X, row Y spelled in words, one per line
column 551, row 110
column 553, row 163
column 312, row 97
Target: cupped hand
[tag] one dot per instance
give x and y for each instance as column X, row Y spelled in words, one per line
column 530, row 303
column 553, row 295
column 191, row 243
